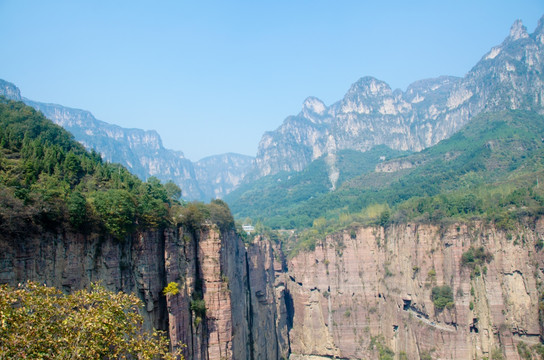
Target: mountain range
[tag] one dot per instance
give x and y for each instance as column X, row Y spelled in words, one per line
column 509, row 76
column 415, row 219
column 143, row 153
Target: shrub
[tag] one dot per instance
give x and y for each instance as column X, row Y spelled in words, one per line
column 77, row 209
column 442, row 296
column 220, row 214
column 116, row 209
column 198, row 306
column 384, row 352
column 194, row 215
column 171, row 289
column 496, row 354
column 524, row 351
column 475, row 257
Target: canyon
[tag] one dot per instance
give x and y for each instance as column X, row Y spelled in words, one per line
column 358, row 291
column 364, row 292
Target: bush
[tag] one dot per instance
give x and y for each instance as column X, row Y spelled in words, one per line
column 171, row 289
column 384, row 352
column 116, row 209
column 524, row 351
column 474, row 257
column 442, row 296
column 77, row 209
column 194, row 215
column 220, row 214
column 198, row 306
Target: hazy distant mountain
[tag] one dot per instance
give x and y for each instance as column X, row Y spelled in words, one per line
column 218, row 175
column 142, row 151
column 510, row 76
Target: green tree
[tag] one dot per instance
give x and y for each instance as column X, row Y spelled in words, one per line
column 220, row 214
column 77, row 209
column 194, row 214
column 442, row 296
column 173, row 190
column 117, row 210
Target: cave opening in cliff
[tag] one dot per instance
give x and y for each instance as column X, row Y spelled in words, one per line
column 290, row 308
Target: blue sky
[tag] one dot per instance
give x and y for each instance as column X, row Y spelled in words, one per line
column 212, row 76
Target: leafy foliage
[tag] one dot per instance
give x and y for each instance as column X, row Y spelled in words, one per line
column 489, row 171
column 275, row 199
column 442, row 296
column 384, row 352
column 198, row 307
column 475, row 257
column 196, row 214
column 449, row 180
column 40, row 322
column 171, row 289
column 47, row 179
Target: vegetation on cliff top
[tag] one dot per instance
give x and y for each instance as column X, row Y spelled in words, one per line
column 39, row 322
column 49, row 181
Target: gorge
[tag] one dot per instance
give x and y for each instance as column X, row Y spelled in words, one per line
column 432, row 255
column 355, row 295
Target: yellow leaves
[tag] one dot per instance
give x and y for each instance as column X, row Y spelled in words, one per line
column 41, row 322
column 171, row 289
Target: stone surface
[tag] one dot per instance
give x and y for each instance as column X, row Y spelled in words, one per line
column 379, row 283
column 240, row 323
column 333, row 302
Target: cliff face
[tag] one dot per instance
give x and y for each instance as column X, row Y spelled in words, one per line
column 206, row 264
column 143, row 153
column 218, row 175
column 373, row 286
column 73, row 261
column 359, row 291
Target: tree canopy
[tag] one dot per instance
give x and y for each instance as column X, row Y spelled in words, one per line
column 47, row 179
column 40, row 322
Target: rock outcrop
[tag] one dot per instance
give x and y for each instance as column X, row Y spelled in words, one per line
column 357, row 292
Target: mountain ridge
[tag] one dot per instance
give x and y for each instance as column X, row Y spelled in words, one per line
column 371, row 113
column 142, row 151
column 501, row 150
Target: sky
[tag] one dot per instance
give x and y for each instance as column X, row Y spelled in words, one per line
column 212, row 76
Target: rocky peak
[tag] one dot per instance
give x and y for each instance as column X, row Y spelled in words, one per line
column 539, row 31
column 365, row 96
column 315, row 105
column 518, row 31
column 313, row 108
column 427, row 85
column 430, row 110
column 9, row 90
column 369, row 87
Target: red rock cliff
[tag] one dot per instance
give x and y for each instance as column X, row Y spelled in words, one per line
column 374, row 286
